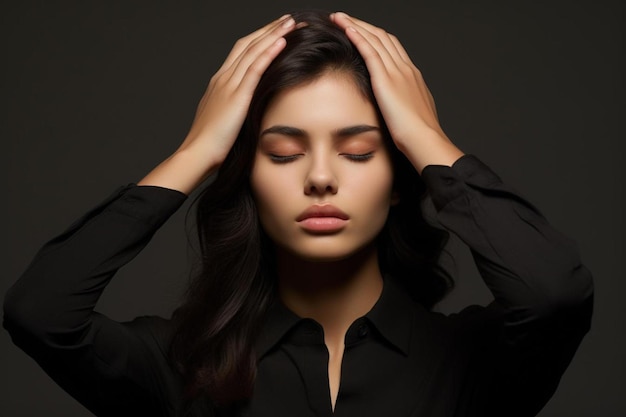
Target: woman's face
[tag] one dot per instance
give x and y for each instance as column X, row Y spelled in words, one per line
column 322, row 176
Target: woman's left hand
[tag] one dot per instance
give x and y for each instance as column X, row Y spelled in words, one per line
column 404, row 100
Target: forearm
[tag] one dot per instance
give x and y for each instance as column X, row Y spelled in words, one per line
column 543, row 293
column 56, row 294
column 221, row 111
column 532, row 269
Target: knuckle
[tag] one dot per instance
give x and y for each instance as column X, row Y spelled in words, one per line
column 381, row 33
column 256, row 68
column 215, row 79
column 241, row 42
column 253, row 46
column 406, row 70
column 220, row 83
column 226, row 88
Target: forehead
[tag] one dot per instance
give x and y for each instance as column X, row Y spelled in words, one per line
column 330, row 101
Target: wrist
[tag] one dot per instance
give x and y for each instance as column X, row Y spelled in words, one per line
column 183, row 171
column 431, row 148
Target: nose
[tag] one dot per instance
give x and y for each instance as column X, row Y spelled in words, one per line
column 320, row 178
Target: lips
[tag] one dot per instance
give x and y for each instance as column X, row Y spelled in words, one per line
column 325, row 210
column 322, row 219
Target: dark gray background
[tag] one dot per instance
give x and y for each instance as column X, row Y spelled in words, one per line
column 95, row 95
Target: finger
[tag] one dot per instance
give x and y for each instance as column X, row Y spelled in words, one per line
column 256, row 48
column 256, row 69
column 382, row 34
column 363, row 23
column 400, row 49
column 370, row 54
column 244, row 42
column 377, row 37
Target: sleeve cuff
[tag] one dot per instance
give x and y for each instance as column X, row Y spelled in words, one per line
column 150, row 204
column 147, row 203
column 446, row 183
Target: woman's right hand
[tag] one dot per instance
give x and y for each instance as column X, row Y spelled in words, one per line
column 222, row 110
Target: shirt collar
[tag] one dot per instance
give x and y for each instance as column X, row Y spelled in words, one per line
column 392, row 316
column 279, row 320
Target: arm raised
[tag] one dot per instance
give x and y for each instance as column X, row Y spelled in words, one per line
column 221, row 110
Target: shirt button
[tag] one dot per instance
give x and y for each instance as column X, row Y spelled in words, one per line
column 363, row 331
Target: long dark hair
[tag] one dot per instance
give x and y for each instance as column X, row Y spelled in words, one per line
column 216, row 326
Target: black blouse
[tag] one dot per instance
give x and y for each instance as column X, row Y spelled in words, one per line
column 505, row 359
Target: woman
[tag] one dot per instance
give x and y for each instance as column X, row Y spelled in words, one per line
column 318, row 268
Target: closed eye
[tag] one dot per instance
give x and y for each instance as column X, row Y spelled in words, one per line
column 283, row 159
column 358, row 157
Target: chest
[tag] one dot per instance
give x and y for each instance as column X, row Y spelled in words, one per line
column 374, row 380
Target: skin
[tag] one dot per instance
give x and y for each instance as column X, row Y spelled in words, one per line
column 337, row 287
column 316, row 163
column 311, row 163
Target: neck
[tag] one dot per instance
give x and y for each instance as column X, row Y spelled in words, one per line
column 332, row 293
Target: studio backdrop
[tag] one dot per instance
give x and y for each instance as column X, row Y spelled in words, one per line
column 95, row 94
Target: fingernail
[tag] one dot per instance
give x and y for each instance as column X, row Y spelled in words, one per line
column 289, row 22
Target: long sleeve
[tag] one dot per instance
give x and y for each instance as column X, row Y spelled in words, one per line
column 540, row 286
column 49, row 311
column 503, row 360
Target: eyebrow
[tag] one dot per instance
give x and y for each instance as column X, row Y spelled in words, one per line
column 299, row 133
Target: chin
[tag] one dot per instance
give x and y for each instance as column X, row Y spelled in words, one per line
column 322, row 258
column 329, row 252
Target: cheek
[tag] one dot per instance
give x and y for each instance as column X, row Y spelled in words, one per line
column 379, row 199
column 271, row 193
column 370, row 194
column 372, row 187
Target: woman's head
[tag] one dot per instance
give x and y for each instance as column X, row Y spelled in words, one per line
column 321, row 146
column 227, row 299
column 316, row 48
column 318, row 86
column 319, row 55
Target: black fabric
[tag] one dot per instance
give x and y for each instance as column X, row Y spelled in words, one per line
column 505, row 359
